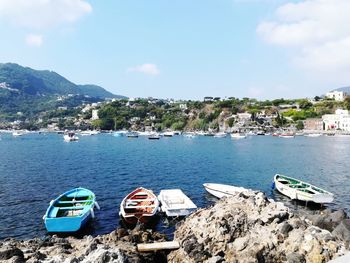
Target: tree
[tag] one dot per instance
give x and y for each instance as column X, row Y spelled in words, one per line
column 300, row 125
column 305, row 104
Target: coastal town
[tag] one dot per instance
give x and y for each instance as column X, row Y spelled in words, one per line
column 328, row 114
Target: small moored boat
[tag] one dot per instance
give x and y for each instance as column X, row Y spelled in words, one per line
column 238, row 136
column 313, row 135
column 132, row 135
column 221, row 190
column 220, row 135
column 154, row 136
column 70, row 211
column 70, row 137
column 299, row 190
column 141, row 205
column 175, row 203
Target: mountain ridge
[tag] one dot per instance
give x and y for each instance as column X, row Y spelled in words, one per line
column 45, row 82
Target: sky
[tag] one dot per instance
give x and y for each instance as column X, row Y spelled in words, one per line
column 264, row 49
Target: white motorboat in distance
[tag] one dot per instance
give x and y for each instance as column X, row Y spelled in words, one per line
column 221, row 190
column 238, row 136
column 70, row 137
column 220, row 135
column 313, row 135
column 299, row 190
column 175, row 203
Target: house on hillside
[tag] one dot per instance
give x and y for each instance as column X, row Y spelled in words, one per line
column 336, row 95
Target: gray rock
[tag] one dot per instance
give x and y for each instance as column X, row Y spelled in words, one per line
column 295, row 258
column 342, row 231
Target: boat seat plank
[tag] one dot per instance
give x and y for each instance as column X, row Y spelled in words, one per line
column 139, row 200
column 72, row 202
column 72, row 208
column 139, row 206
column 169, row 245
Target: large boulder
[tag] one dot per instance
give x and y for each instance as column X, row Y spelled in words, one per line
column 248, row 227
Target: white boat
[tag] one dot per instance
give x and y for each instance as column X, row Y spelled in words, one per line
column 238, row 136
column 168, row 134
column 299, row 190
column 221, row 190
column 132, row 135
column 144, row 133
column 70, row 137
column 17, row 133
column 286, row 135
column 154, row 136
column 89, row 133
column 220, row 135
column 189, row 135
column 313, row 135
column 175, row 203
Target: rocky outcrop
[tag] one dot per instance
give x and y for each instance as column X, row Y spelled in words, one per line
column 245, row 228
column 118, row 246
column 250, row 228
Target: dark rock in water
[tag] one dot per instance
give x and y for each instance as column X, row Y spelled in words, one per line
column 9, row 252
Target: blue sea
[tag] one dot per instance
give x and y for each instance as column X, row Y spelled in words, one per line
column 36, row 168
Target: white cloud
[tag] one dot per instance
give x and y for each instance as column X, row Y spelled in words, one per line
column 316, row 31
column 40, row 14
column 34, row 40
column 148, row 69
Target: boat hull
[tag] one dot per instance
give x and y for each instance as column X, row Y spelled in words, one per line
column 175, row 203
column 139, row 206
column 70, row 211
column 222, row 190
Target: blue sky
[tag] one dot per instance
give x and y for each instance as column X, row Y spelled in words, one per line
column 184, row 49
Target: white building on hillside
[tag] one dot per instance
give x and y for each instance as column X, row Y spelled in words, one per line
column 336, row 95
column 94, row 115
column 338, row 121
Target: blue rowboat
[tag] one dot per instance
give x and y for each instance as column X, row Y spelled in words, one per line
column 70, row 211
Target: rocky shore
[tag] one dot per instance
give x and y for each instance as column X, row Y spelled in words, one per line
column 245, row 228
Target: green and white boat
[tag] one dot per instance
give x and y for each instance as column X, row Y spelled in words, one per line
column 299, row 190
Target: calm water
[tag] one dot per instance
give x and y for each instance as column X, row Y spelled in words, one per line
column 36, row 168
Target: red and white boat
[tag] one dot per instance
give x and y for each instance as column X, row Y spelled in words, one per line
column 287, row 135
column 141, row 205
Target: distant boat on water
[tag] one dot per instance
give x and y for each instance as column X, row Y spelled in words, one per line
column 313, row 135
column 299, row 190
column 286, row 135
column 132, row 135
column 238, row 136
column 168, row 134
column 70, row 211
column 154, row 136
column 220, row 135
column 17, row 133
column 89, row 133
column 189, row 135
column 70, row 137
column 221, row 190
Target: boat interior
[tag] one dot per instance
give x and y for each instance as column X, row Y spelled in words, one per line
column 140, row 203
column 70, row 206
column 299, row 185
